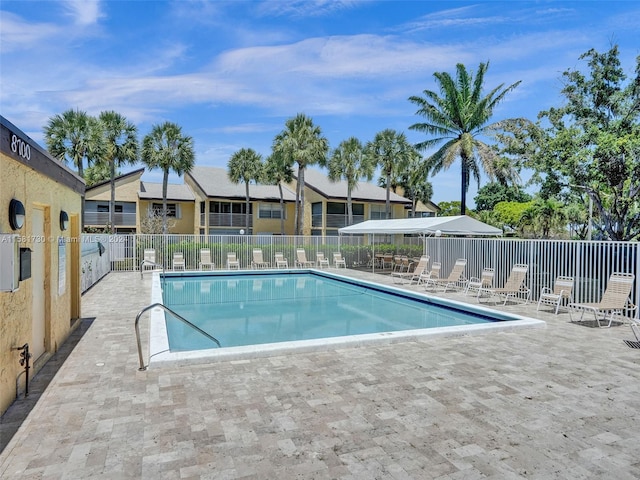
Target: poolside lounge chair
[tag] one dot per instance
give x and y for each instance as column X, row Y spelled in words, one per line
column 615, row 299
column 635, row 328
column 338, row 260
column 149, row 259
column 562, row 290
column 205, row 260
column 484, row 281
column 178, row 261
column 258, row 260
column 430, row 277
column 301, row 259
column 321, row 260
column 232, row 261
column 514, row 285
column 414, row 275
column 456, row 277
column 280, row 261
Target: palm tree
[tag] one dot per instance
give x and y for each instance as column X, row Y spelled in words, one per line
column 391, row 151
column 120, row 148
column 459, row 116
column 275, row 172
column 414, row 181
column 74, row 136
column 165, row 147
column 350, row 163
column 244, row 166
column 301, row 142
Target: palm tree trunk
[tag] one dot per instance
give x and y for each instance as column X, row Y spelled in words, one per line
column 463, row 196
column 295, row 220
column 349, row 206
column 112, row 201
column 281, row 209
column 246, row 213
column 165, row 181
column 301, row 215
column 387, row 205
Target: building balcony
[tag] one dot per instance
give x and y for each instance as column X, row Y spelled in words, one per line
column 102, row 218
column 335, row 220
column 230, row 220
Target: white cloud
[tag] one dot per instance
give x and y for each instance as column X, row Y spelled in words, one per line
column 16, row 34
column 83, row 12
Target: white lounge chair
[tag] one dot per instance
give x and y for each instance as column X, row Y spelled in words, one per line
column 258, row 260
column 321, row 260
column 513, row 287
column 149, row 259
column 455, row 279
column 484, row 281
column 338, row 260
column 232, row 261
column 205, row 260
column 414, row 275
column 301, row 259
column 562, row 290
column 430, row 277
column 280, row 261
column 178, row 261
column 615, row 299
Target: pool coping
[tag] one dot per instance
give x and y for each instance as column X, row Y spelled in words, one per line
column 160, row 354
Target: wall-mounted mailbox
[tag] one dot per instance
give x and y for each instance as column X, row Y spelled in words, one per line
column 9, row 262
column 25, row 263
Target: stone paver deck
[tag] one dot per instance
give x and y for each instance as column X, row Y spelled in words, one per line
column 559, row 402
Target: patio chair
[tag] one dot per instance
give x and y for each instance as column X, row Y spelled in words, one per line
column 387, row 261
column 232, row 261
column 615, row 299
column 280, row 261
column 321, row 260
column 397, row 263
column 178, row 261
column 414, row 275
column 562, row 290
column 484, row 281
column 301, row 259
column 455, row 279
column 149, row 259
column 205, row 260
column 430, row 277
column 338, row 260
column 513, row 287
column 258, row 260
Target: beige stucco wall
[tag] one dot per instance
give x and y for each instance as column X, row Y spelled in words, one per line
column 182, row 225
column 126, row 190
column 35, row 190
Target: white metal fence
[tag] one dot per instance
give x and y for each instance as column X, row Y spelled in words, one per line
column 590, row 263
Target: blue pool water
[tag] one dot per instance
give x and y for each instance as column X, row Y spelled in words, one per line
column 264, row 308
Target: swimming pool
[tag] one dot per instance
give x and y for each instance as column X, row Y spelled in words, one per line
column 265, row 312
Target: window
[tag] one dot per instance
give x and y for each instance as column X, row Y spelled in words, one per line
column 105, row 208
column 228, row 207
column 270, row 210
column 173, row 210
column 377, row 212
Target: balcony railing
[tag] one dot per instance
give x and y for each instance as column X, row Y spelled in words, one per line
column 229, row 220
column 336, row 220
column 102, row 218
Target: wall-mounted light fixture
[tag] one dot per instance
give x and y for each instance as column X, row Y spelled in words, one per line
column 64, row 220
column 16, row 214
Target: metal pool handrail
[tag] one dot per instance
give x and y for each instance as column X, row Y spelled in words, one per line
column 182, row 319
column 147, row 262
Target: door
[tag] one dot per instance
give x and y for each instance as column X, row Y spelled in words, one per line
column 37, row 344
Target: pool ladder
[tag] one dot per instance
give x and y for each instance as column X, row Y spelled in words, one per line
column 166, row 309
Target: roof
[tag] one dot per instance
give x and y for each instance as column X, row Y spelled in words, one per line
column 453, row 225
column 153, row 191
column 138, row 172
column 364, row 191
column 215, row 182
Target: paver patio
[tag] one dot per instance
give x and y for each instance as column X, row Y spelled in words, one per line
column 559, row 402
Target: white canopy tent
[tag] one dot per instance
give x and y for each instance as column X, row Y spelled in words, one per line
column 458, row 225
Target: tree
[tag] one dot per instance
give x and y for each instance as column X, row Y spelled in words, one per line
column 592, row 143
column 509, row 214
column 449, row 208
column 120, row 148
column 75, row 137
column 391, row 151
column 350, row 163
column 276, row 172
column 244, row 166
column 458, row 117
column 544, row 216
column 301, row 143
column 494, row 192
column 166, row 147
column 97, row 173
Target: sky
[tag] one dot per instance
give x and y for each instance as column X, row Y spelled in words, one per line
column 231, row 73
